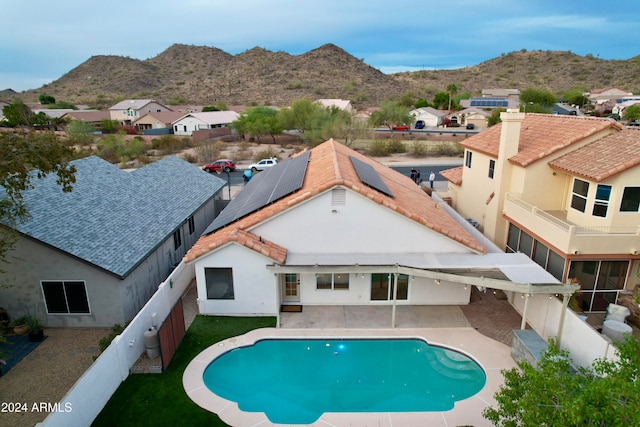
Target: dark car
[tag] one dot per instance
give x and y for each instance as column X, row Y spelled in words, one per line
column 420, row 124
column 633, row 123
column 218, row 166
column 401, row 127
column 471, row 126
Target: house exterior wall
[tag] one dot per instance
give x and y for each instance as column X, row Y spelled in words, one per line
column 255, row 288
column 131, row 115
column 371, row 228
column 189, row 124
column 32, row 262
column 150, row 122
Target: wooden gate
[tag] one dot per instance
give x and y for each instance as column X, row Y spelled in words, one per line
column 171, row 333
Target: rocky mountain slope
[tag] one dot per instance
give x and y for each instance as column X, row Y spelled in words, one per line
column 206, row 75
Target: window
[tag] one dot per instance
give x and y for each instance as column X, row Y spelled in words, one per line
column 332, row 281
column 579, row 195
column 600, row 282
column 630, row 200
column 467, row 160
column 520, row 241
column 601, row 204
column 382, row 285
column 192, row 225
column 219, row 282
column 65, row 297
column 492, row 167
column 177, row 239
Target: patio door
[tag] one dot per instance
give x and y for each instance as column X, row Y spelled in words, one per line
column 291, row 288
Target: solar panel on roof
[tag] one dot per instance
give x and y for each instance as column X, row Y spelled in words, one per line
column 489, row 102
column 264, row 188
column 369, row 176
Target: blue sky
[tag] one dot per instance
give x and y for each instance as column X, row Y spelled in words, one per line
column 43, row 39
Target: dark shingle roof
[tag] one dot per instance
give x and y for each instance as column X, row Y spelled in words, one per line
column 113, row 218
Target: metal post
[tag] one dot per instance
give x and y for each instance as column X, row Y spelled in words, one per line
column 395, row 295
column 524, row 311
column 563, row 313
column 229, row 182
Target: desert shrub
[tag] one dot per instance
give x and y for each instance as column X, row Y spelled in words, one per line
column 266, row 153
column 167, row 143
column 207, row 151
column 419, row 149
column 243, row 152
column 106, row 341
column 448, row 149
column 396, row 146
column 378, row 148
column 189, row 157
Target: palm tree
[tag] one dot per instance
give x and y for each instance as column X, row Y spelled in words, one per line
column 452, row 89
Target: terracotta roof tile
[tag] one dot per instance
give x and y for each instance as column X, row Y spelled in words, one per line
column 540, row 136
column 454, row 175
column 330, row 166
column 604, row 158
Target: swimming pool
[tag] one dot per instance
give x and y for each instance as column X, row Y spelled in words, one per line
column 294, row 381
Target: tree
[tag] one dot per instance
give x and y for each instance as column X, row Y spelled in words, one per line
column 552, row 394
column 25, row 156
column 18, row 114
column 575, row 96
column 441, row 100
column 452, row 89
column 46, row 99
column 631, row 113
column 390, row 114
column 80, row 132
column 407, row 99
column 494, row 118
column 541, row 100
column 420, row 103
column 298, row 115
column 257, row 121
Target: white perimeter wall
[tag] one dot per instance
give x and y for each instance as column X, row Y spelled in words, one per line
column 93, row 390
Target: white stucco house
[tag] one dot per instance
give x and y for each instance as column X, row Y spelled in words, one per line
column 330, row 226
column 191, row 122
column 430, row 116
column 128, row 111
column 93, row 257
column 343, row 104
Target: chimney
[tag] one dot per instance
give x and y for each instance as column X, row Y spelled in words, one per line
column 510, row 134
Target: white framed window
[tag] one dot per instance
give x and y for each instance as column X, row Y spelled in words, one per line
column 601, row 204
column 492, row 168
column 467, row 159
column 579, row 194
column 219, row 282
column 65, row 296
column 630, row 200
column 335, row 281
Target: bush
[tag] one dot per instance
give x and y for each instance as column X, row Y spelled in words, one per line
column 378, row 148
column 267, row 153
column 396, row 146
column 106, row 341
column 167, row 143
column 207, row 151
column 419, row 149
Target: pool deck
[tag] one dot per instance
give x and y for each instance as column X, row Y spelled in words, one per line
column 445, row 325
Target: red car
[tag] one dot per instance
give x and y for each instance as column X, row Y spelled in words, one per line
column 218, row 166
column 401, row 127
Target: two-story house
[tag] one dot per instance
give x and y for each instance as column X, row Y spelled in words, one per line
column 564, row 190
column 128, row 111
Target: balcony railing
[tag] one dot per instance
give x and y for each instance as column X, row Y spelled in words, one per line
column 568, row 237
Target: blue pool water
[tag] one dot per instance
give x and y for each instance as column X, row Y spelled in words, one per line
column 295, row 381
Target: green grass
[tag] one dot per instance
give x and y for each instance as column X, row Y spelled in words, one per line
column 160, row 399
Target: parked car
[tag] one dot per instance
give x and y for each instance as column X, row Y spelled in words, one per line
column 420, row 124
column 400, row 127
column 218, row 166
column 471, row 126
column 263, row 164
column 633, row 123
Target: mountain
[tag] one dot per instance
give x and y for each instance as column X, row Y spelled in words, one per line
column 206, row 75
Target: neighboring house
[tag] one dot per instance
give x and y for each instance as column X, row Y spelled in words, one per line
column 157, row 120
column 501, row 93
column 605, row 99
column 343, row 104
column 94, row 256
column 619, row 107
column 94, row 117
column 430, row 116
column 53, row 113
column 128, row 111
column 564, row 190
column 493, row 98
column 474, row 116
column 329, row 226
column 191, row 122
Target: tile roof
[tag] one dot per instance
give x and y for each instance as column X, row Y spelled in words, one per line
column 164, row 117
column 604, row 158
column 89, row 115
column 114, row 219
column 540, row 136
column 453, row 175
column 330, row 166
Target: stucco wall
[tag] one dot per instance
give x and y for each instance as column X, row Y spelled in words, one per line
column 362, row 226
column 255, row 288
